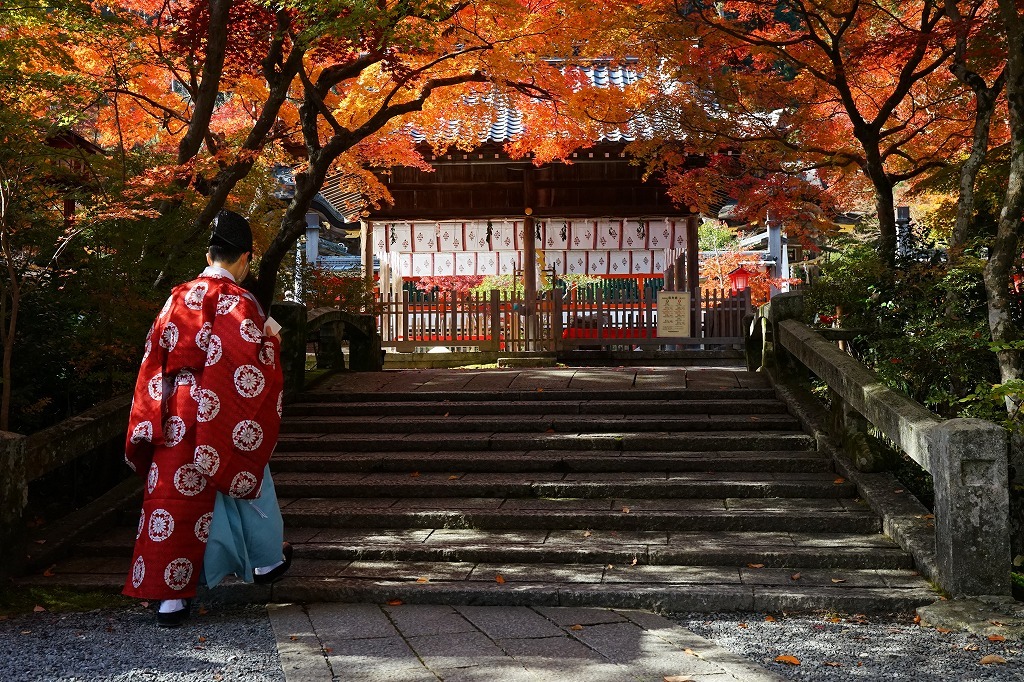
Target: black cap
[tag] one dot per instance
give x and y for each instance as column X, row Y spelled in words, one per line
column 231, row 229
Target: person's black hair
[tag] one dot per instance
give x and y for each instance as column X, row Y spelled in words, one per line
column 222, row 252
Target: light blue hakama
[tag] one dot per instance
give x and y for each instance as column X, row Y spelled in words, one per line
column 244, row 534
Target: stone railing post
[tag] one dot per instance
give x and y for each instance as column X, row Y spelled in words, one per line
column 292, row 318
column 968, row 460
column 328, row 350
column 13, row 491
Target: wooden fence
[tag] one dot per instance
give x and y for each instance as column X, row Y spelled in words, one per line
column 501, row 321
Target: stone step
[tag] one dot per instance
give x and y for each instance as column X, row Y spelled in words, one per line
column 640, row 586
column 661, row 441
column 658, row 548
column 620, row 408
column 650, row 485
column 547, row 423
column 539, row 394
column 451, row 462
column 734, row 514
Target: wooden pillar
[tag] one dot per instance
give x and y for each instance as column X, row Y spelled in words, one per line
column 692, row 255
column 366, row 249
column 529, row 257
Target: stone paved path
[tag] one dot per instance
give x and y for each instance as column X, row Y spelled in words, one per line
column 428, row 643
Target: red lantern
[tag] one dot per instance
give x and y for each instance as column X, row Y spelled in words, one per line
column 739, row 278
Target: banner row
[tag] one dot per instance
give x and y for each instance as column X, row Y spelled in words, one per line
column 645, row 262
column 552, row 234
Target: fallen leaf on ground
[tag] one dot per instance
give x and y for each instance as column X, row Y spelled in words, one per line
column 500, row 579
column 755, row 565
column 839, row 580
column 833, row 664
column 742, row 625
column 328, row 649
column 996, row 638
column 415, row 474
column 203, row 611
column 446, row 414
column 625, row 510
column 898, row 491
column 576, row 627
column 997, row 623
column 926, row 516
column 971, row 647
column 992, row 658
column 49, row 572
column 422, row 580
column 540, row 390
column 201, row 638
column 769, row 619
column 633, row 562
column 294, row 638
column 453, row 478
column 38, row 609
column 691, row 652
column 395, row 602
column 795, row 576
column 40, row 542
column 677, row 678
column 943, row 630
column 786, row 658
column 834, row 619
column 917, row 620
column 587, row 533
column 839, row 480
column 26, row 632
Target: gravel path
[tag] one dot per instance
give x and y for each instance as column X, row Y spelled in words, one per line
column 865, row 649
column 227, row 644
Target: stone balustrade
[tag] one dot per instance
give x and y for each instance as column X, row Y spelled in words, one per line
column 967, row 458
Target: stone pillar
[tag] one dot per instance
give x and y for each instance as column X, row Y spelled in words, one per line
column 13, row 493
column 968, row 459
column 312, row 237
column 292, row 318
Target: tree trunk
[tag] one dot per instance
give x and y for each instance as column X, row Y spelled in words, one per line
column 885, row 206
column 1005, row 248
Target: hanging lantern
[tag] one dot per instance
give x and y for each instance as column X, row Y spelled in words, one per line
column 739, row 279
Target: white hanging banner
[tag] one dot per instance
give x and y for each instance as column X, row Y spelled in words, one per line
column 556, row 260
column 659, row 235
column 575, row 262
column 444, row 264
column 609, row 234
column 503, row 236
column 487, row 263
column 476, row 237
column 634, row 234
column 449, row 237
column 422, row 264
column 643, row 262
column 380, row 239
column 582, row 234
column 618, row 263
column 405, row 264
column 556, row 234
column 678, row 234
column 597, row 263
column 659, row 262
column 425, row 237
column 508, row 262
column 465, row 263
column 400, row 238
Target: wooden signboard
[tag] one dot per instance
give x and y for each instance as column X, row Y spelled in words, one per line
column 673, row 314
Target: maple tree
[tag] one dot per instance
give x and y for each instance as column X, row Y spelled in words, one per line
column 820, row 98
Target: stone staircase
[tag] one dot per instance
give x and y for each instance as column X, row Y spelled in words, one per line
column 662, row 488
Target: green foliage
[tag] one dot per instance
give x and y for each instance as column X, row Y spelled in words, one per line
column 923, row 327
column 713, row 236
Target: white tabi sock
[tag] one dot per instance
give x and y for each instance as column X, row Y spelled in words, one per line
column 172, row 605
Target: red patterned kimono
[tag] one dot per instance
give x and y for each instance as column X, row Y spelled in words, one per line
column 205, row 418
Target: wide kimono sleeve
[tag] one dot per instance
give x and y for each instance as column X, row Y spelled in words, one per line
column 238, row 399
column 144, row 422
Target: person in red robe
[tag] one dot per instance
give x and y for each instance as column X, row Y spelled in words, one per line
column 205, row 417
